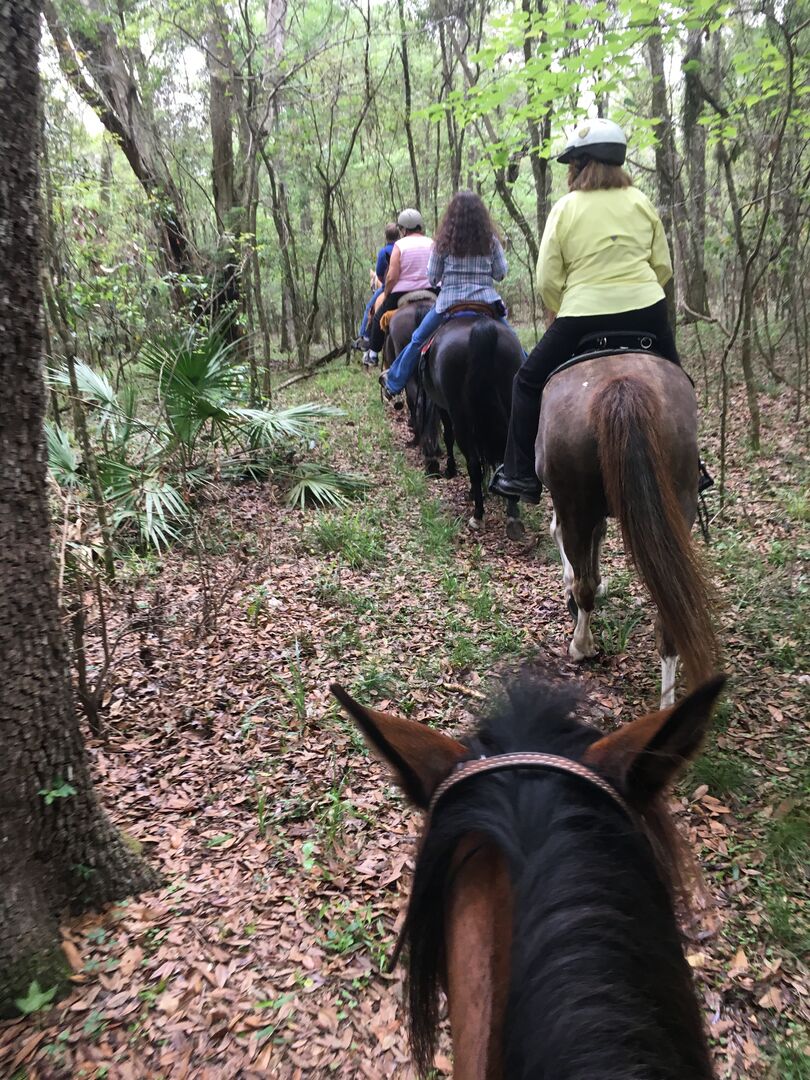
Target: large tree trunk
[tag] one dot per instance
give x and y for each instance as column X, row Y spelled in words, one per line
column 56, row 849
column 227, row 299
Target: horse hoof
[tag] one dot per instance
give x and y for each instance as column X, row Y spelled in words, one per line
column 432, row 469
column 399, row 405
column 515, row 529
column 450, row 472
column 476, row 524
column 578, row 656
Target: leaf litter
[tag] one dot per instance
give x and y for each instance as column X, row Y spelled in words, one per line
column 286, row 851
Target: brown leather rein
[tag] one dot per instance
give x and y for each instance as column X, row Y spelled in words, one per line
column 467, row 769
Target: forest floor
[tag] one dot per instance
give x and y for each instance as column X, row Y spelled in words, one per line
column 285, row 850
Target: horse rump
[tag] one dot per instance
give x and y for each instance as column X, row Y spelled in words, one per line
column 488, row 389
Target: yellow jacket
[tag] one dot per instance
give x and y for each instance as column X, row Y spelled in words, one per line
column 603, row 252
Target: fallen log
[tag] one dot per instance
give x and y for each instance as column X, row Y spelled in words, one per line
column 312, row 368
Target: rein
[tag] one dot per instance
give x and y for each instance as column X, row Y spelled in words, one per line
column 467, row 769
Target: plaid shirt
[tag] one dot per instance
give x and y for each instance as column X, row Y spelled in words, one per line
column 467, row 277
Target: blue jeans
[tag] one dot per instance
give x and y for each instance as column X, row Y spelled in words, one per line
column 367, row 313
column 406, row 363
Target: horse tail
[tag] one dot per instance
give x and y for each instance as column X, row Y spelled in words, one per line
column 488, row 427
column 625, row 416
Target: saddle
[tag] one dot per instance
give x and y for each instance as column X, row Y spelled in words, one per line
column 611, row 343
column 475, row 307
column 469, row 308
column 418, row 296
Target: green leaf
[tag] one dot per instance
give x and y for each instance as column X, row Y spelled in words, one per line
column 35, row 999
column 61, row 790
column 218, row 841
column 62, row 460
column 323, row 486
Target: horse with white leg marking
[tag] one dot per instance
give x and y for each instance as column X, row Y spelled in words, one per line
column 618, row 437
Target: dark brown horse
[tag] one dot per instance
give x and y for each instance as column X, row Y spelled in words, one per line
column 467, row 384
column 400, row 330
column 618, row 437
column 545, row 889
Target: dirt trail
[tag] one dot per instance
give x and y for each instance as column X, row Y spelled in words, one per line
column 285, row 850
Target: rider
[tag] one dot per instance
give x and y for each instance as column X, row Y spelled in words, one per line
column 602, row 266
column 407, row 272
column 380, row 271
column 467, row 258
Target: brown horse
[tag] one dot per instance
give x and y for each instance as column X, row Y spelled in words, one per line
column 618, row 437
column 400, row 330
column 543, row 899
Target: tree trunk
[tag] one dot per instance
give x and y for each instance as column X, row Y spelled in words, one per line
column 56, row 845
column 406, row 84
column 694, row 137
column 539, row 133
column 667, row 168
column 227, row 299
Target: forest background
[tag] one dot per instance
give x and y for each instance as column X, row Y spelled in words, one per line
column 214, row 183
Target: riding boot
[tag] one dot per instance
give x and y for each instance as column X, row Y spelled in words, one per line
column 705, row 479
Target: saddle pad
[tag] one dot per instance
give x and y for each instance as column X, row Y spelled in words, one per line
column 416, row 296
column 582, row 357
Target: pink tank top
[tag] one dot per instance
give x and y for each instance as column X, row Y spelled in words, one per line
column 414, row 254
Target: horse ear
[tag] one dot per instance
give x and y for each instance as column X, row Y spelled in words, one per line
column 419, row 756
column 642, row 757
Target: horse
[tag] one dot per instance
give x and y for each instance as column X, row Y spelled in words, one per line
column 467, row 379
column 545, row 891
column 618, row 437
column 400, row 330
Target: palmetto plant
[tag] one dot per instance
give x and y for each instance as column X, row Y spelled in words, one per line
column 149, row 467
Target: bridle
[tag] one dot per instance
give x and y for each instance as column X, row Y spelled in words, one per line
column 465, row 770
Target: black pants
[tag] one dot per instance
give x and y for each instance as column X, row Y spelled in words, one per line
column 376, row 337
column 554, row 348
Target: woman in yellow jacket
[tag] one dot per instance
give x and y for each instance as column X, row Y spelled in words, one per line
column 602, row 266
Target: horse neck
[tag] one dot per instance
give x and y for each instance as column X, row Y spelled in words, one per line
column 599, row 986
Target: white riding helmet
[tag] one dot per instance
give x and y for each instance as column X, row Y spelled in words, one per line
column 410, row 219
column 599, row 139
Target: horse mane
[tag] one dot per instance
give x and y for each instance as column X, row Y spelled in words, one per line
column 563, row 873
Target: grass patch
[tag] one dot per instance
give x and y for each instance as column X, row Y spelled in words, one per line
column 787, row 923
column 723, row 774
column 792, row 1060
column 349, row 536
column 796, row 502
column 439, row 531
column 787, row 840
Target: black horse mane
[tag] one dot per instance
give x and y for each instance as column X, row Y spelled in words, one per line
column 599, row 988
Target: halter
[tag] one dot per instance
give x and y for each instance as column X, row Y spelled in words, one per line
column 466, row 769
